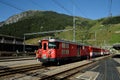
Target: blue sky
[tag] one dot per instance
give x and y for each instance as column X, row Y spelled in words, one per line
column 92, row 9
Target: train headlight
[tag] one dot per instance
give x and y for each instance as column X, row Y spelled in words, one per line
column 44, row 56
column 49, row 52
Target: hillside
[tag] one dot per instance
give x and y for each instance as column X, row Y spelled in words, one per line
column 36, row 21
column 99, row 32
column 105, row 31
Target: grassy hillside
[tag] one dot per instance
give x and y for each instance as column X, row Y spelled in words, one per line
column 39, row 21
column 94, row 32
column 98, row 35
column 106, row 33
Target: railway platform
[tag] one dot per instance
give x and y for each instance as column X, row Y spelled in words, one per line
column 8, row 59
column 9, row 63
column 108, row 69
column 104, row 68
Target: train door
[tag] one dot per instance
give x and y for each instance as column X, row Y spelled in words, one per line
column 44, row 49
column 58, row 49
column 81, row 50
column 78, row 50
column 44, row 45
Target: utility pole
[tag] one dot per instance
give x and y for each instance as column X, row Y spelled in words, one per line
column 110, row 13
column 73, row 24
column 74, row 29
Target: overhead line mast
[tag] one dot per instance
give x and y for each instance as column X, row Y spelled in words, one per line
column 71, row 14
column 78, row 8
column 74, row 26
column 110, row 8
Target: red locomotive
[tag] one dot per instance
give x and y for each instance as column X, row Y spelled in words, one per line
column 54, row 50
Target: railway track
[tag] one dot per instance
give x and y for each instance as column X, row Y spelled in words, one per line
column 20, row 69
column 16, row 59
column 59, row 72
column 39, row 72
column 66, row 72
column 72, row 72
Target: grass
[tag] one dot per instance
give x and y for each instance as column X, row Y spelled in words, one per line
column 105, row 35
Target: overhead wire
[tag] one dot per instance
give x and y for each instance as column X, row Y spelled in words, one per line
column 56, row 2
column 79, row 9
column 35, row 3
column 10, row 5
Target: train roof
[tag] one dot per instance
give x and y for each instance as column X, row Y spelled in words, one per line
column 69, row 42
column 59, row 40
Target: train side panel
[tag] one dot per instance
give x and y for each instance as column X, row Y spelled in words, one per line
column 85, row 52
column 57, row 51
column 67, row 51
column 96, row 52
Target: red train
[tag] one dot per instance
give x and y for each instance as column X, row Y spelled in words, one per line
column 54, row 50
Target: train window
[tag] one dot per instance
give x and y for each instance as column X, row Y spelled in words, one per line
column 45, row 45
column 65, row 45
column 54, row 45
column 51, row 45
column 65, row 51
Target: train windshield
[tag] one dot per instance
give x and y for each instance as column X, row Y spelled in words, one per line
column 53, row 45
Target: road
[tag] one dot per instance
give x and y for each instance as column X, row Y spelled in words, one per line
column 108, row 69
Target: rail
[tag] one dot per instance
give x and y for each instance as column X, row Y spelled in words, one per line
column 63, row 73
column 20, row 69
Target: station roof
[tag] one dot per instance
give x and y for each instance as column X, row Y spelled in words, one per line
column 7, row 36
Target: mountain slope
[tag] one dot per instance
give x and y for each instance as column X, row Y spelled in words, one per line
column 94, row 32
column 104, row 32
column 36, row 21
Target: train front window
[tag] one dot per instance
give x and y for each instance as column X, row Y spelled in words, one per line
column 53, row 45
column 45, row 45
